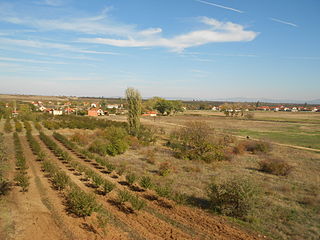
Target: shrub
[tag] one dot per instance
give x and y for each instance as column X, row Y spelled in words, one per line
column 60, row 180
column 258, row 146
column 146, row 182
column 235, row 197
column 275, row 166
column 131, row 178
column 194, row 142
column 49, row 167
column 163, row 191
column 239, row 148
column 108, row 186
column 18, row 126
column 99, row 147
column 147, row 135
column 123, row 196
column 38, row 126
column 98, row 181
column 80, row 138
column 81, row 203
column 164, row 169
column 137, row 203
column 5, row 186
column 8, row 126
column 22, row 180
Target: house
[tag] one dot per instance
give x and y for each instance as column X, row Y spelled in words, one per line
column 111, row 106
column 150, row 114
column 215, row 109
column 294, row 109
column 263, row 108
column 69, row 110
column 94, row 112
column 15, row 113
column 316, row 109
column 93, row 105
column 56, row 112
column 42, row 108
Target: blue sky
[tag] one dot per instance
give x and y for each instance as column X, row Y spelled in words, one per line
column 202, row 49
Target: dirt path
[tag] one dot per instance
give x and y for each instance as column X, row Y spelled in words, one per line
column 31, row 218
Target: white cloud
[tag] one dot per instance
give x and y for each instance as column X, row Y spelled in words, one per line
column 220, row 6
column 50, row 45
column 216, row 31
column 24, row 60
column 283, row 22
column 102, row 30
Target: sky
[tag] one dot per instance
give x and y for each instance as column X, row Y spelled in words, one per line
column 197, row 49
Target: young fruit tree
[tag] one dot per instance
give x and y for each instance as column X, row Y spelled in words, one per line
column 134, row 110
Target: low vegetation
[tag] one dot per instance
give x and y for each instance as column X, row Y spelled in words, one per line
column 195, row 142
column 236, row 197
column 275, row 166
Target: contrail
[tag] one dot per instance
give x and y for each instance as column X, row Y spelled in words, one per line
column 281, row 21
column 220, row 6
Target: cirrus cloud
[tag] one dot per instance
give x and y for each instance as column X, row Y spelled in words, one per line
column 215, row 32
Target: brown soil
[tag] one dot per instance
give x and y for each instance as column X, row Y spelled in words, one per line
column 41, row 212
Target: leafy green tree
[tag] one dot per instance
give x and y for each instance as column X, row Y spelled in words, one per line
column 134, row 110
column 164, row 106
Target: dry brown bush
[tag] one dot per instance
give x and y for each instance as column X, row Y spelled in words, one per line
column 275, row 166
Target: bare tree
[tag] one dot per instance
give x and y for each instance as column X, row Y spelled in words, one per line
column 134, row 110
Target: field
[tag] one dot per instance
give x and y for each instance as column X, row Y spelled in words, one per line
column 289, row 206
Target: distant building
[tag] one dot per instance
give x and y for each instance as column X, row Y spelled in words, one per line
column 42, row 108
column 263, row 108
column 116, row 106
column 150, row 114
column 94, row 112
column 56, row 112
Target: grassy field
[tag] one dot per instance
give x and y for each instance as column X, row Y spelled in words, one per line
column 300, row 129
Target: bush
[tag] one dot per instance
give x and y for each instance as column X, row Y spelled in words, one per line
column 8, row 126
column 137, row 203
column 81, row 203
column 107, row 186
column 5, row 186
column 239, row 148
column 275, row 166
column 18, row 126
column 195, row 142
column 258, row 146
column 123, row 196
column 164, row 169
column 235, row 197
column 22, row 180
column 61, row 180
column 146, row 182
column 131, row 178
column 163, row 191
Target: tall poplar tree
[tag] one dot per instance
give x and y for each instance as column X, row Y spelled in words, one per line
column 134, row 110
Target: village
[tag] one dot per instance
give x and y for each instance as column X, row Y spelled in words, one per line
column 95, row 109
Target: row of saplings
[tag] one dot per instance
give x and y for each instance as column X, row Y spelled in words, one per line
column 144, row 181
column 21, row 177
column 102, row 186
column 5, row 184
column 237, row 196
